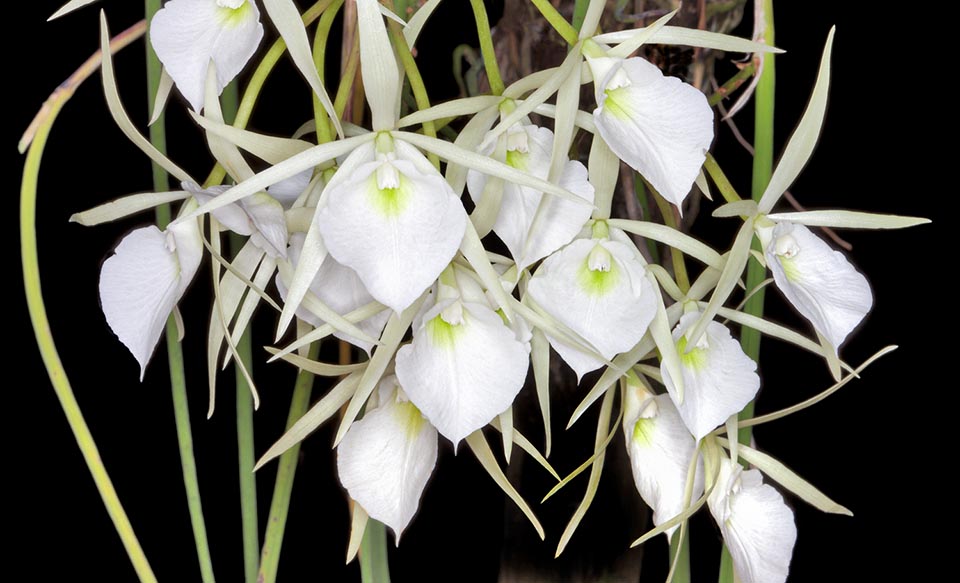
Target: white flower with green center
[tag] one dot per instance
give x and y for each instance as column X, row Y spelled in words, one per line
column 660, row 126
column 819, row 282
column 661, row 450
column 386, row 458
column 259, row 216
column 599, row 289
column 188, row 34
column 756, row 524
column 465, row 365
column 394, row 220
column 528, row 148
column 719, row 379
column 340, row 289
column 142, row 282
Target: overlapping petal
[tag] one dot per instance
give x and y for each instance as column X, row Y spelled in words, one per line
column 395, row 221
column 259, row 216
column 188, row 34
column 385, row 459
column 661, row 450
column 599, row 289
column 757, row 525
column 819, row 282
column 143, row 281
column 719, row 379
column 464, row 367
column 658, row 125
column 529, row 149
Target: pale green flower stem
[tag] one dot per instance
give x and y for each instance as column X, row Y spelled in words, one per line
column 486, row 47
column 676, row 257
column 36, row 138
column 178, row 381
column 557, row 21
column 763, row 101
column 373, row 554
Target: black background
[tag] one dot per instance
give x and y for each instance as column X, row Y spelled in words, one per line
column 867, row 447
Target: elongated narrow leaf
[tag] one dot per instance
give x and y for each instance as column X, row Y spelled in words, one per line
column 126, row 206
column 703, row 185
column 582, row 119
column 269, row 148
column 469, row 138
column 120, row 115
column 415, row 25
column 505, row 421
column 322, row 369
column 640, row 37
column 666, row 282
column 246, row 281
column 473, row 251
column 224, row 151
column 781, row 474
column 308, row 159
column 264, row 273
column 160, row 99
column 604, row 167
column 484, row 164
column 358, row 524
column 830, row 355
column 69, row 7
column 804, row 138
column 601, row 439
column 568, row 103
column 480, row 448
column 378, row 65
column 524, row 444
column 691, row 37
column 849, row 220
column 455, row 108
column 286, row 18
column 324, row 409
column 621, row 364
column 672, row 237
column 737, row 208
column 540, row 359
column 660, row 331
column 382, row 357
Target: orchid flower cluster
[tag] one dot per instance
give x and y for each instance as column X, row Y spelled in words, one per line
column 367, row 240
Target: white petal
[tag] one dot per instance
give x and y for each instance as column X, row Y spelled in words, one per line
column 142, row 282
column 187, row 34
column 658, row 125
column 270, row 224
column 560, row 219
column 757, row 525
column 819, row 282
column 397, row 240
column 341, row 290
column 462, row 376
column 289, row 190
column 660, row 450
column 719, row 379
column 610, row 309
column 386, row 458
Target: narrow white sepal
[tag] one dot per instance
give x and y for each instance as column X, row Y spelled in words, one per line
column 756, row 524
column 381, row 77
column 661, row 450
column 462, row 375
column 187, row 34
column 609, row 305
column 819, row 282
column 385, row 459
column 719, row 379
column 658, row 125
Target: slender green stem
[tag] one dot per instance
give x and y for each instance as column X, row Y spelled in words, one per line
column 36, row 136
column 178, row 380
column 347, row 79
column 374, row 567
column 557, row 21
column 681, row 573
column 324, row 130
column 640, row 190
column 727, row 191
column 486, row 47
column 732, row 84
column 676, row 257
column 579, row 12
column 286, row 471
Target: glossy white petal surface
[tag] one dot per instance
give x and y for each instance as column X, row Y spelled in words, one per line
column 659, row 125
column 719, row 379
column 819, row 282
column 188, row 34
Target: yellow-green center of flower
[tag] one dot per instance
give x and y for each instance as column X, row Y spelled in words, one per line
column 410, row 417
column 643, row 431
column 598, row 274
column 389, row 190
column 696, row 359
column 615, row 103
column 443, row 334
column 233, row 12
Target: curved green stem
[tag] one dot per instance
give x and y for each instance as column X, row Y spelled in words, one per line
column 36, row 137
column 676, row 257
column 486, row 47
column 374, row 567
column 324, row 131
column 286, row 471
column 557, row 21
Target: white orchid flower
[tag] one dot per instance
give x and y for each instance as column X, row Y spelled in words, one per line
column 141, row 283
column 756, row 524
column 465, row 365
column 339, row 288
column 819, row 282
column 188, row 34
column 661, row 450
column 386, row 458
column 719, row 379
column 393, row 219
column 659, row 125
column 259, row 216
column 599, row 289
column 528, row 148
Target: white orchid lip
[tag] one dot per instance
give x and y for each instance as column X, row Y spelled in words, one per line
column 188, row 34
